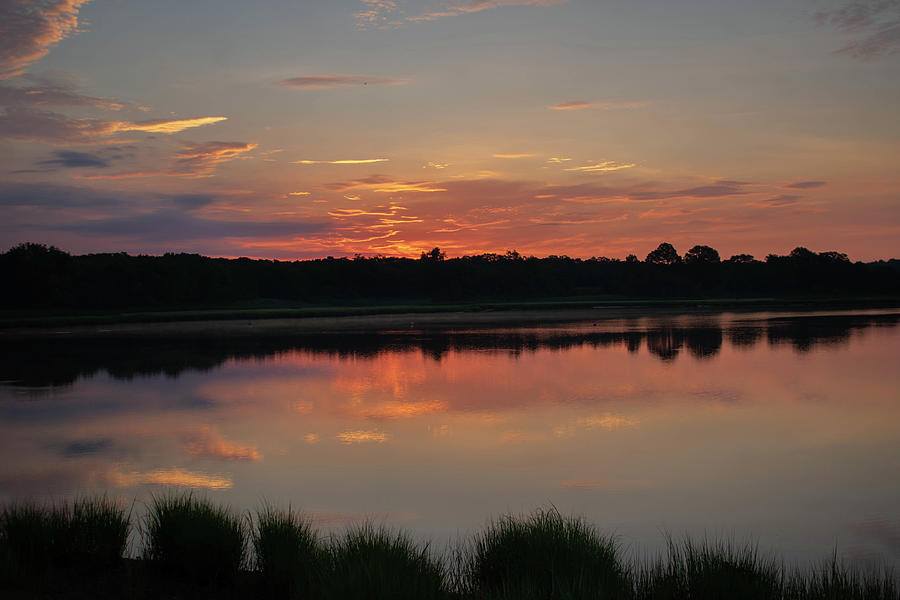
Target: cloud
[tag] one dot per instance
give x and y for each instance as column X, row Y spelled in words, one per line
column 778, row 201
column 382, row 184
column 345, row 161
column 805, row 185
column 56, row 196
column 75, row 160
column 435, row 165
column 876, row 23
column 23, row 123
column 602, row 166
column 167, row 125
column 201, row 159
column 44, row 92
column 523, row 155
column 194, row 160
column 191, row 201
column 361, row 437
column 583, row 104
column 319, row 82
column 177, row 226
column 207, row 443
column 374, row 12
column 28, row 29
column 384, row 13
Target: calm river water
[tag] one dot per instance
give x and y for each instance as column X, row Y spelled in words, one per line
column 783, row 428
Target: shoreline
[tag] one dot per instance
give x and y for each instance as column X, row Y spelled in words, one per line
column 396, row 319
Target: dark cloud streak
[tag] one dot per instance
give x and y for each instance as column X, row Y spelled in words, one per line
column 875, row 22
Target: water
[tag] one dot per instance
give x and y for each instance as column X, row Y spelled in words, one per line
column 777, row 427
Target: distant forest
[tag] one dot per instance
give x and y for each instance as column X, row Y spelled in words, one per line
column 36, row 276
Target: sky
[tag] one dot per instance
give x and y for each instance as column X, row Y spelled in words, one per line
column 296, row 129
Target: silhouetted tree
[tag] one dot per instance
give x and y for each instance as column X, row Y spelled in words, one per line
column 632, row 259
column 834, row 257
column 741, row 258
column 664, row 254
column 702, row 255
column 436, row 254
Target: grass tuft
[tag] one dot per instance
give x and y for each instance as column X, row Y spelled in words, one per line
column 834, row 580
column 544, row 555
column 711, row 570
column 289, row 555
column 193, row 538
column 88, row 535
column 376, row 562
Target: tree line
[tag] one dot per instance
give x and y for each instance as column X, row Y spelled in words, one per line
column 37, row 276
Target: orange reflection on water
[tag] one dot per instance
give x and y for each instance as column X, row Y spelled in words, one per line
column 210, row 444
column 171, row 476
column 361, row 437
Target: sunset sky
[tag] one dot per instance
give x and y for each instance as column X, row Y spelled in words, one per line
column 305, row 128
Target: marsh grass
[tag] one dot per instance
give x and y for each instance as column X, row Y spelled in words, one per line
column 371, row 561
column 711, row 570
column 88, row 535
column 543, row 555
column 834, row 580
column 195, row 539
column 289, row 553
column 194, row 548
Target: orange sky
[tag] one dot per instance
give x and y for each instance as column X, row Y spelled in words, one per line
column 301, row 130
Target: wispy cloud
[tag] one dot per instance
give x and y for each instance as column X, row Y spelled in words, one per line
column 69, row 159
column 805, row 185
column 362, row 436
column 602, row 166
column 28, row 29
column 875, row 23
column 374, row 13
column 318, row 82
column 779, row 201
column 201, row 159
column 193, row 160
column 45, row 92
column 23, row 123
column 584, row 104
column 380, row 183
column 384, row 13
column 344, row 161
column 166, row 125
column 522, row 155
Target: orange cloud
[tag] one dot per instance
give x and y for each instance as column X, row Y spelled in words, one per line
column 30, row 29
column 346, row 161
column 166, row 126
column 360, row 436
column 194, row 160
column 523, row 155
column 582, row 104
column 606, row 165
column 24, row 123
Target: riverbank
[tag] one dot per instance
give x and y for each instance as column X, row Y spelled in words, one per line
column 341, row 319
column 191, row 547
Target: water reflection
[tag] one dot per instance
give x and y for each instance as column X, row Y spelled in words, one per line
column 42, row 364
column 782, row 427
